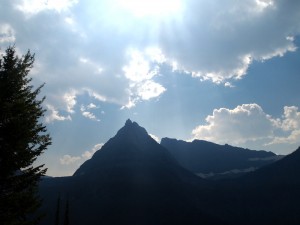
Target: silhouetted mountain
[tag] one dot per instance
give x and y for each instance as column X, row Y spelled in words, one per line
column 268, row 196
column 131, row 180
column 207, row 158
column 134, row 180
column 283, row 172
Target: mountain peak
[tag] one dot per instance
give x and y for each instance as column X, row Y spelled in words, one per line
column 131, row 142
column 128, row 122
column 131, row 130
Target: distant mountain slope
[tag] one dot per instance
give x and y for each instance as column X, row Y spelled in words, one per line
column 206, row 157
column 131, row 180
column 285, row 172
column 267, row 196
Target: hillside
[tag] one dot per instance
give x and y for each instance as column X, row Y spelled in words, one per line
column 211, row 160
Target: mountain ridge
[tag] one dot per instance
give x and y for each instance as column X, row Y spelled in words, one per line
column 135, row 180
column 204, row 157
column 131, row 180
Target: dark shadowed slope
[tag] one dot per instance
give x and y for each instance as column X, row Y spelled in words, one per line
column 131, row 180
column 284, row 172
column 206, row 157
column 270, row 195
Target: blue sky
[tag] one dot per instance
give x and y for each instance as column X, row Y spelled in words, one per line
column 223, row 71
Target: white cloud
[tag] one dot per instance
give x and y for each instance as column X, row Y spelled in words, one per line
column 140, row 71
column 245, row 122
column 292, row 138
column 291, row 118
column 70, row 100
column 155, row 55
column 157, row 139
column 88, row 154
column 66, row 102
column 290, row 124
column 88, row 107
column 150, row 89
column 262, row 5
column 67, row 159
column 98, row 96
column 90, row 115
column 36, row 6
column 7, row 33
column 220, row 40
column 249, row 123
column 53, row 114
column 92, row 106
column 139, row 68
column 69, row 21
column 113, row 59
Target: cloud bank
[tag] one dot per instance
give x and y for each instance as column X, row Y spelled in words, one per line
column 68, row 160
column 249, row 123
column 100, row 49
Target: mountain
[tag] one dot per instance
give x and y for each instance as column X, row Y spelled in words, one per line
column 131, row 180
column 208, row 159
column 283, row 172
column 134, row 180
column 269, row 195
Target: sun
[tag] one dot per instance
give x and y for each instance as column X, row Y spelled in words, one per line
column 151, row 8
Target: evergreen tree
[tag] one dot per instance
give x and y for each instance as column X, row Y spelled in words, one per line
column 23, row 138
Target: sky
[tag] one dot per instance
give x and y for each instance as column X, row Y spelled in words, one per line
column 222, row 71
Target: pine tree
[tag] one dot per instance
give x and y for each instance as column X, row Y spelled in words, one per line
column 23, row 138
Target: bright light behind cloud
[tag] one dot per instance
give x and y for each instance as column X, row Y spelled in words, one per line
column 157, row 8
column 142, row 68
column 35, row 6
column 148, row 57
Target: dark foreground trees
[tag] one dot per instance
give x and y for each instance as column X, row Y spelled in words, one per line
column 23, row 138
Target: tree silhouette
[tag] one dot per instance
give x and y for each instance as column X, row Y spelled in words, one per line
column 23, row 138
